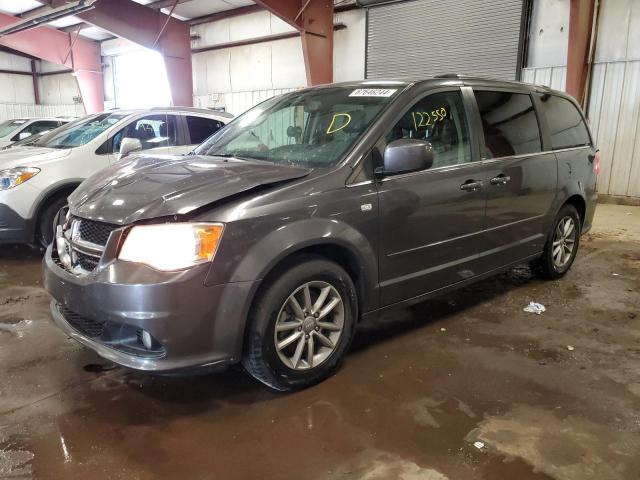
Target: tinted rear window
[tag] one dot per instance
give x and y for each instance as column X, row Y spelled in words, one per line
column 509, row 123
column 201, row 128
column 566, row 125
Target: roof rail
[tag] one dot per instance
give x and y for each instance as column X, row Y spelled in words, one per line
column 448, row 75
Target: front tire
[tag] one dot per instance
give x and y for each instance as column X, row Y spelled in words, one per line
column 44, row 231
column 301, row 325
column 562, row 244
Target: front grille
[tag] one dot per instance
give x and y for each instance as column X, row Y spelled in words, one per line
column 87, row 262
column 95, row 232
column 83, row 242
column 86, row 326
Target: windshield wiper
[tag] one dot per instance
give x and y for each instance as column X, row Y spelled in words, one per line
column 235, row 155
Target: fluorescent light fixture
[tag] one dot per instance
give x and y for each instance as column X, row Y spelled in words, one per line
column 50, row 16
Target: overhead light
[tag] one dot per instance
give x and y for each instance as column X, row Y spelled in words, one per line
column 55, row 14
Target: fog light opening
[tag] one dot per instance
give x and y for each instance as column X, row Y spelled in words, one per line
column 147, row 340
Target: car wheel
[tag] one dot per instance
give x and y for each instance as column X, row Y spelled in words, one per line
column 562, row 244
column 301, row 325
column 44, row 232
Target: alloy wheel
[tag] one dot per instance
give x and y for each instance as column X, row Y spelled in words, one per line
column 564, row 241
column 309, row 325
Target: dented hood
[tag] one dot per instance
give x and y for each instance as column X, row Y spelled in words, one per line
column 145, row 187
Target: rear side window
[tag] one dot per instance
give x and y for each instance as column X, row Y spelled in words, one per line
column 37, row 127
column 566, row 125
column 201, row 128
column 509, row 123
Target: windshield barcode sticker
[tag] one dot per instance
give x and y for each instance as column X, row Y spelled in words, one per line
column 373, row 92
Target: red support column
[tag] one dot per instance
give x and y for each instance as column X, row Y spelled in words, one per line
column 580, row 26
column 83, row 56
column 314, row 20
column 154, row 30
column 36, row 87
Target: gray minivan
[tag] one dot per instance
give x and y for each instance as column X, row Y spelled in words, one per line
column 313, row 211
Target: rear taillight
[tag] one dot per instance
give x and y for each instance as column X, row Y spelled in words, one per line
column 596, row 163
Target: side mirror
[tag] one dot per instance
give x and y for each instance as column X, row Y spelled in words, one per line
column 129, row 145
column 23, row 135
column 407, row 155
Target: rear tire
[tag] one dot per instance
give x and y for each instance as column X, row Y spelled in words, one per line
column 313, row 305
column 561, row 246
column 45, row 230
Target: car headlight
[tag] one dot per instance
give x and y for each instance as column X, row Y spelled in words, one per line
column 172, row 246
column 15, row 176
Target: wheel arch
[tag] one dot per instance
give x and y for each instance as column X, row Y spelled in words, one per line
column 579, row 203
column 330, row 239
column 54, row 191
column 572, row 193
column 335, row 252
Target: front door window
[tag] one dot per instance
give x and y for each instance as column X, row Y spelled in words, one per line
column 153, row 131
column 440, row 120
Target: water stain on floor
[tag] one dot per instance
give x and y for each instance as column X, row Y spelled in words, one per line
column 418, row 389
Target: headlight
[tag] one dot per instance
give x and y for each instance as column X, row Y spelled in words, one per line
column 15, row 176
column 172, row 246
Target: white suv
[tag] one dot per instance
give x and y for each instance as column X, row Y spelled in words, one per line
column 36, row 180
column 21, row 128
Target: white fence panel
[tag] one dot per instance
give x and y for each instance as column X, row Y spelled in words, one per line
column 18, row 110
column 237, row 102
column 613, row 111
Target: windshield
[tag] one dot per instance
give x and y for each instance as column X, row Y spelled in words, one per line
column 9, row 126
column 313, row 128
column 80, row 132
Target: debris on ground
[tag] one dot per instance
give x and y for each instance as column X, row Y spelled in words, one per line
column 570, row 348
column 535, row 307
column 479, row 445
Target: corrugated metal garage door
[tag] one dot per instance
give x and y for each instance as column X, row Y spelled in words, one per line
column 422, row 38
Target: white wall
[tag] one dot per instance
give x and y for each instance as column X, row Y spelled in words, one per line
column 59, row 89
column 350, row 45
column 614, row 90
column 15, row 88
column 548, row 33
column 17, row 98
column 239, row 77
column 614, row 105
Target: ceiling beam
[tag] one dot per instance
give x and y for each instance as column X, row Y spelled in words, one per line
column 314, row 20
column 160, row 4
column 81, row 55
column 152, row 29
column 212, row 17
column 75, row 27
column 54, row 3
column 11, row 51
column 34, row 11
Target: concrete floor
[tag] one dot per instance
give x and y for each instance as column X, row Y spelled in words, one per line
column 549, row 396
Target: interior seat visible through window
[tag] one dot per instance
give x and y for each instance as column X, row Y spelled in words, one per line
column 440, row 120
column 509, row 123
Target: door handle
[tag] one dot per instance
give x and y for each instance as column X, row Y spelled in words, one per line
column 471, row 186
column 501, row 179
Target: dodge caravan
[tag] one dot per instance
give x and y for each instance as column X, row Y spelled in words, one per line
column 313, row 211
